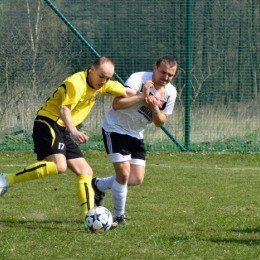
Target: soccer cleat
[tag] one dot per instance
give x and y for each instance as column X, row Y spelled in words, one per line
column 121, row 220
column 114, row 225
column 99, row 195
column 4, row 184
column 86, row 227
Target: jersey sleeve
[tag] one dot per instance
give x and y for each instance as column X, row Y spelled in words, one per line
column 134, row 82
column 113, row 88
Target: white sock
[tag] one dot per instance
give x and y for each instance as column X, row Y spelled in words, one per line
column 104, row 184
column 119, row 193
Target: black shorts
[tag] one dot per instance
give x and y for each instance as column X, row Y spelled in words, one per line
column 50, row 138
column 121, row 148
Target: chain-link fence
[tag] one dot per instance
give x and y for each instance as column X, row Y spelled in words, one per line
column 216, row 44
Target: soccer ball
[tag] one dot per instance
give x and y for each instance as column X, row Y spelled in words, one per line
column 99, row 219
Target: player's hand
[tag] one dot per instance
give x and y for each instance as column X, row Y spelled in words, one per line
column 80, row 137
column 146, row 88
column 154, row 103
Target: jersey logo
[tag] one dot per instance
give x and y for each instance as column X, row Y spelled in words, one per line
column 95, row 96
column 164, row 103
column 146, row 112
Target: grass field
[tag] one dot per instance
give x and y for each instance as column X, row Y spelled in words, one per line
column 190, row 206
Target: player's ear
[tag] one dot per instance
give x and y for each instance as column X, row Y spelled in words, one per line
column 92, row 69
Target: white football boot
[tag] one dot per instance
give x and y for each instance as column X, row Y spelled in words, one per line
column 4, row 184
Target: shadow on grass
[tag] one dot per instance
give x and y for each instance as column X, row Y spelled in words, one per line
column 248, row 242
column 247, row 230
column 42, row 224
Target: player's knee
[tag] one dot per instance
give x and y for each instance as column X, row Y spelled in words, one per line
column 122, row 179
column 138, row 181
column 135, row 181
column 90, row 172
column 84, row 170
column 61, row 168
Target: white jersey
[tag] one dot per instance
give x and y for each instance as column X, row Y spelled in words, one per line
column 133, row 120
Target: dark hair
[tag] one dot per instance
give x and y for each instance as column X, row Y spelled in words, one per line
column 167, row 59
column 102, row 60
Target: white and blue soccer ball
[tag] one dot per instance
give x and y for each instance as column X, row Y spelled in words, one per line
column 99, row 219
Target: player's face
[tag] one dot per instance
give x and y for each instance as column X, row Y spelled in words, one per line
column 97, row 77
column 163, row 74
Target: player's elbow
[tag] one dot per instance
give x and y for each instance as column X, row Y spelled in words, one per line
column 158, row 124
column 116, row 103
column 115, row 107
column 160, row 120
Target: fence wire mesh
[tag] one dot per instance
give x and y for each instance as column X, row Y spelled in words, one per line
column 39, row 50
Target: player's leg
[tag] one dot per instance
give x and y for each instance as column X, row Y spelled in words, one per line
column 103, row 184
column 136, row 175
column 77, row 163
column 117, row 148
column 137, row 163
column 49, row 145
column 35, row 171
column 127, row 173
column 84, row 187
column 119, row 190
column 100, row 185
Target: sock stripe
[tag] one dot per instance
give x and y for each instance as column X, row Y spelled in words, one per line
column 87, row 196
column 31, row 169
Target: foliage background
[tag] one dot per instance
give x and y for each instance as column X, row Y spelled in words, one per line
column 38, row 51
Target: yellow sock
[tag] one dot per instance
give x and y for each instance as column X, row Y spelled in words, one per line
column 32, row 172
column 85, row 193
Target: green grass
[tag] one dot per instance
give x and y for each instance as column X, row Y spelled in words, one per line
column 190, row 206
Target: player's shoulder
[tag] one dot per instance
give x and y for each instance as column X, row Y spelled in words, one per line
column 78, row 76
column 171, row 89
column 142, row 74
column 112, row 84
column 139, row 77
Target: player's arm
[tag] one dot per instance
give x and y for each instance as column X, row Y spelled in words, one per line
column 154, row 104
column 116, row 89
column 130, row 92
column 126, row 102
column 132, row 96
column 65, row 113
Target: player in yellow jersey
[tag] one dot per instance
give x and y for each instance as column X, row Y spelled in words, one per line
column 56, row 136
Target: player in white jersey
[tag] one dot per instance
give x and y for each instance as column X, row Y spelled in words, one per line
column 123, row 129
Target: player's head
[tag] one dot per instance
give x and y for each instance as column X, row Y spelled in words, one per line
column 100, row 72
column 164, row 70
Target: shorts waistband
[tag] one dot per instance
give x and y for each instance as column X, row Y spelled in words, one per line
column 47, row 119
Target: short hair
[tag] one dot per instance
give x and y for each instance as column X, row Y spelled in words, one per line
column 98, row 62
column 167, row 59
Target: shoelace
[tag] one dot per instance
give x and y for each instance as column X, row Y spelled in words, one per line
column 121, row 218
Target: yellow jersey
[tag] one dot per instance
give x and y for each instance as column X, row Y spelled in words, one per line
column 76, row 92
